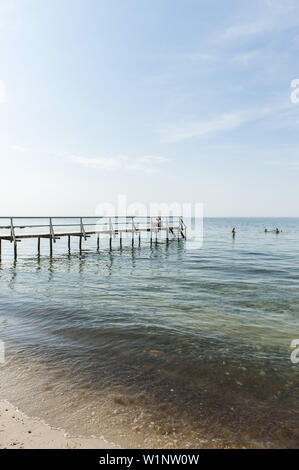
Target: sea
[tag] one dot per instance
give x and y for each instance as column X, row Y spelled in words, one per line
column 186, row 344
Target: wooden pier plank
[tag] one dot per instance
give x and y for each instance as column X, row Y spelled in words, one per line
column 24, row 236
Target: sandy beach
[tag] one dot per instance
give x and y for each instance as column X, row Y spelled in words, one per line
column 18, row 431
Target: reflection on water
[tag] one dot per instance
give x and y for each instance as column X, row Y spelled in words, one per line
column 162, row 345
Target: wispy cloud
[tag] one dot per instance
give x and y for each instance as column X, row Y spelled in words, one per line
column 246, row 58
column 280, row 163
column 147, row 163
column 100, row 163
column 202, row 56
column 188, row 130
column 223, row 123
column 242, row 30
column 2, row 92
column 19, row 148
column 278, row 16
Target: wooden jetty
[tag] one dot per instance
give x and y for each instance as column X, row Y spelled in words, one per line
column 53, row 228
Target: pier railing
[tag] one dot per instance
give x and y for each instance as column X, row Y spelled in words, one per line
column 15, row 229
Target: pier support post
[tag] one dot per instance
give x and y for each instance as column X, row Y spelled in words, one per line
column 51, row 246
column 120, row 239
column 139, row 241
column 98, row 242
column 111, row 232
column 167, row 230
column 38, row 247
column 151, row 230
column 133, row 229
column 69, row 243
column 0, row 249
column 80, row 243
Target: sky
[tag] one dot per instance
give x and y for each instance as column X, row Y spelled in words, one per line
column 159, row 100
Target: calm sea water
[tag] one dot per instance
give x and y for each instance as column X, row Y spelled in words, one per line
column 158, row 346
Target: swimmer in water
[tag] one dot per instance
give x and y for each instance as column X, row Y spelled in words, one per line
column 266, row 230
column 233, row 232
column 276, row 230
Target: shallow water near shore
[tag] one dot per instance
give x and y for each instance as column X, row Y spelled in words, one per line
column 158, row 346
